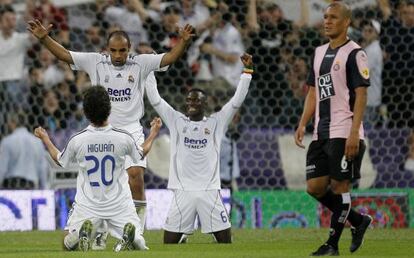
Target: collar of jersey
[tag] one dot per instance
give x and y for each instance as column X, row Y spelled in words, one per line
column 99, row 129
column 118, row 68
column 203, row 120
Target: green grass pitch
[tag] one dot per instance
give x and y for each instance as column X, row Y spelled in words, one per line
column 379, row 243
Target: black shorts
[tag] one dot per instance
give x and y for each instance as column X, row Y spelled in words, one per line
column 326, row 158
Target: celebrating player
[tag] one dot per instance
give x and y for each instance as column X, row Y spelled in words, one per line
column 194, row 174
column 337, row 97
column 122, row 74
column 102, row 192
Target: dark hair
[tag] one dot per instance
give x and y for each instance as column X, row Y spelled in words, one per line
column 6, row 8
column 17, row 118
column 96, row 105
column 197, row 90
column 119, row 33
column 172, row 9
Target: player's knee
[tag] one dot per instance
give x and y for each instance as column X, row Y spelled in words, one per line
column 223, row 237
column 316, row 192
column 339, row 187
column 171, row 237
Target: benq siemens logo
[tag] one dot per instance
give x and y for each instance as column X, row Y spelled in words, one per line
column 119, row 95
column 195, row 144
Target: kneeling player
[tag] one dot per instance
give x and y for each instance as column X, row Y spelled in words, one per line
column 103, row 194
column 194, row 174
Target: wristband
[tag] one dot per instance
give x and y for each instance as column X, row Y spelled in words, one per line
column 248, row 70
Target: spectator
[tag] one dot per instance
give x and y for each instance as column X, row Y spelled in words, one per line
column 13, row 47
column 271, row 37
column 225, row 48
column 95, row 35
column 130, row 17
column 397, row 33
column 53, row 71
column 46, row 12
column 163, row 37
column 370, row 42
column 23, row 163
column 397, row 39
column 194, row 12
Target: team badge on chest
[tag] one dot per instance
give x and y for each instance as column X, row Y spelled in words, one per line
column 131, row 79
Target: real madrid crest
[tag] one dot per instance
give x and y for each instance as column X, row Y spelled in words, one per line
column 131, row 79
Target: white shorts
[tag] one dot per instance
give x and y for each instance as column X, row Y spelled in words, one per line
column 139, row 138
column 115, row 225
column 186, row 205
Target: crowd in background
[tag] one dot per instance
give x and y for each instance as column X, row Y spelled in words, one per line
column 49, row 92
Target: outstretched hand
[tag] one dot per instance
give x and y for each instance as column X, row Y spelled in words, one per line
column 247, row 60
column 38, row 30
column 187, row 32
column 41, row 133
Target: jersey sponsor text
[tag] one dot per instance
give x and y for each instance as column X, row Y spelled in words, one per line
column 195, row 144
column 325, row 85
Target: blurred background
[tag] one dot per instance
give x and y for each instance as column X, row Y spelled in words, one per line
column 260, row 162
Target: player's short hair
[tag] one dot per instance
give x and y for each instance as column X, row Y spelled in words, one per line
column 96, row 105
column 18, row 118
column 197, row 90
column 119, row 33
column 345, row 9
column 6, row 8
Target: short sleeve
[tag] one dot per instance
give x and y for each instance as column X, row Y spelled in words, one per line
column 149, row 63
column 357, row 69
column 67, row 156
column 84, row 61
column 166, row 112
column 310, row 81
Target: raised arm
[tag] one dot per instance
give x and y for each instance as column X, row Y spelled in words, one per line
column 226, row 114
column 42, row 33
column 243, row 86
column 251, row 18
column 166, row 112
column 186, row 35
column 51, row 148
column 384, row 6
column 156, row 124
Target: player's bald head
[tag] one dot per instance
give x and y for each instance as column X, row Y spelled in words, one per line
column 119, row 35
column 345, row 10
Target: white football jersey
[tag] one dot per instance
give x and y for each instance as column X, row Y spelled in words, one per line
column 125, row 84
column 102, row 182
column 195, row 145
